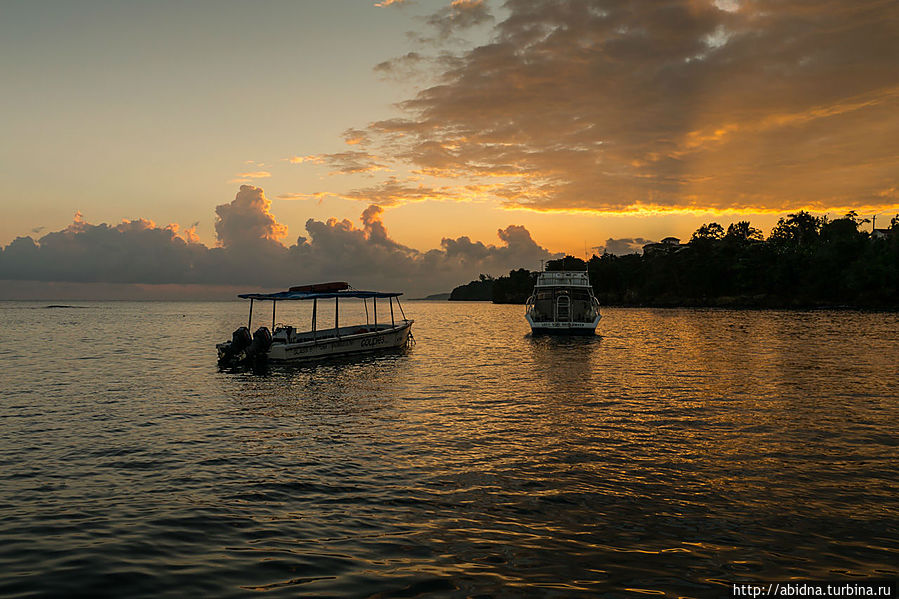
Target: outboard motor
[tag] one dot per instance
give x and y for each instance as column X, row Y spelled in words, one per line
column 231, row 351
column 262, row 340
column 240, row 339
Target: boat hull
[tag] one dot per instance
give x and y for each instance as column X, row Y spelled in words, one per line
column 563, row 328
column 563, row 331
column 563, row 303
column 374, row 341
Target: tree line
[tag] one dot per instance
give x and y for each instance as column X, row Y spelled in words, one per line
column 806, row 261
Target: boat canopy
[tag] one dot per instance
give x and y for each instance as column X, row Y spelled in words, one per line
column 301, row 295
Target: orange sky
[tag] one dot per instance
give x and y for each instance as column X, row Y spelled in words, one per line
column 585, row 123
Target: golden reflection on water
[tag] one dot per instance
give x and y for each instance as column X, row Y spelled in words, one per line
column 673, row 452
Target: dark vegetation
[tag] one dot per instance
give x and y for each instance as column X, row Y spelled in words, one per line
column 476, row 291
column 807, row 261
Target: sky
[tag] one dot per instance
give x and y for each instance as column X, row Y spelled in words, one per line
column 419, row 143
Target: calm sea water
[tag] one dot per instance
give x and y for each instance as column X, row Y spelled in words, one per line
column 677, row 452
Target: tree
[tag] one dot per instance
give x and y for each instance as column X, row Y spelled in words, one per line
column 742, row 232
column 809, row 261
column 708, row 232
column 480, row 290
column 800, row 228
column 566, row 263
column 843, row 229
column 515, row 288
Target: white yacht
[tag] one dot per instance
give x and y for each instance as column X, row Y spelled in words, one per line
column 563, row 304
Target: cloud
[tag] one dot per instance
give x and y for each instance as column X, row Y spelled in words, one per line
column 398, row 68
column 190, row 234
column 621, row 247
column 249, row 176
column 251, row 253
column 519, row 249
column 398, row 191
column 356, row 136
column 300, row 196
column 349, row 162
column 135, row 251
column 663, row 105
column 390, row 2
column 246, row 221
column 368, row 256
column 459, row 15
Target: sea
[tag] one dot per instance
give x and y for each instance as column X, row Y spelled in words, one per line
column 677, row 452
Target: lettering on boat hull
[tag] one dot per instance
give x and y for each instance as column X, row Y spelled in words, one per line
column 390, row 338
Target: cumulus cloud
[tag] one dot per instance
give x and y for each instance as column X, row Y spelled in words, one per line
column 621, row 247
column 246, row 221
column 190, row 234
column 135, row 251
column 518, row 248
column 251, row 253
column 368, row 256
column 665, row 105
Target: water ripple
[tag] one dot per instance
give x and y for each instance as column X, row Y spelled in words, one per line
column 680, row 451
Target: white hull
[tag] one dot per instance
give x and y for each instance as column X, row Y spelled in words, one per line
column 563, row 328
column 563, row 304
column 346, row 344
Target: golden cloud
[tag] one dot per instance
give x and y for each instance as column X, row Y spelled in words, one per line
column 647, row 106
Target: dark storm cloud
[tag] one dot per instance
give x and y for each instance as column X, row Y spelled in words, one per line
column 251, row 253
column 667, row 104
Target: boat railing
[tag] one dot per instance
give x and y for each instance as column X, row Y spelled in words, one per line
column 347, row 292
column 290, row 336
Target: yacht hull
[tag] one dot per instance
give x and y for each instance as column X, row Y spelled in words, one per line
column 563, row 303
column 563, row 328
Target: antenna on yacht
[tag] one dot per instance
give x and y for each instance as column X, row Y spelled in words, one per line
column 541, row 265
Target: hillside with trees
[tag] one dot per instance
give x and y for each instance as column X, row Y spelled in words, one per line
column 806, row 261
column 476, row 291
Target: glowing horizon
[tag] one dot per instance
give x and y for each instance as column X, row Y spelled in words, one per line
column 580, row 122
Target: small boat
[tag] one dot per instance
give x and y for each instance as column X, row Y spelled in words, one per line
column 284, row 343
column 563, row 304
